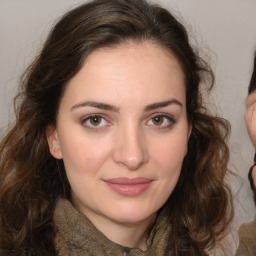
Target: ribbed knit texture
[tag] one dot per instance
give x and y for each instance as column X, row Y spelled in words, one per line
column 247, row 239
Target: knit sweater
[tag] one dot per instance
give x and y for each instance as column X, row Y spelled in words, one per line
column 247, row 239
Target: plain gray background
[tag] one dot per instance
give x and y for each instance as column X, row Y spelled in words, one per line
column 224, row 31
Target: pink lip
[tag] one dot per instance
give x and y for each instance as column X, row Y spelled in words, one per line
column 129, row 187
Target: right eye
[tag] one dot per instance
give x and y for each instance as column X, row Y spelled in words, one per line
column 94, row 121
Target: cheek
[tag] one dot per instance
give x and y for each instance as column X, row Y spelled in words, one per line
column 171, row 152
column 83, row 154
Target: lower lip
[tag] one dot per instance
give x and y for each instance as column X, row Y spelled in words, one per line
column 129, row 189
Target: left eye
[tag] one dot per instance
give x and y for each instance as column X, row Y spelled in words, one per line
column 161, row 121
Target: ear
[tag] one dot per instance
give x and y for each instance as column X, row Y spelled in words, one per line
column 53, row 142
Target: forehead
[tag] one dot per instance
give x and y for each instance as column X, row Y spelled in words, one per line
column 138, row 69
column 138, row 51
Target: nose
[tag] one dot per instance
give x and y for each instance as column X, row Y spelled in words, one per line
column 131, row 149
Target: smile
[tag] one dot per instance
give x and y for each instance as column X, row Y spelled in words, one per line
column 129, row 187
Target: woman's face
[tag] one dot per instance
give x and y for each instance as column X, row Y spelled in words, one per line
column 122, row 132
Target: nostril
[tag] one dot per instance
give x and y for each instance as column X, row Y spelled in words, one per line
column 131, row 159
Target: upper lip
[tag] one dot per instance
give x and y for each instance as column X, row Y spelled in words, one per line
column 128, row 181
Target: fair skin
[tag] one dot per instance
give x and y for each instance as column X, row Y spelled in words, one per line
column 122, row 133
column 250, row 119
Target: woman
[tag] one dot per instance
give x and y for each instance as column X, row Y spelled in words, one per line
column 113, row 152
column 247, row 232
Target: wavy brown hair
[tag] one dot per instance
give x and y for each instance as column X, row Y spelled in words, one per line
column 31, row 180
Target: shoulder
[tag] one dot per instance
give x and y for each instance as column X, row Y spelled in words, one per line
column 247, row 231
column 247, row 239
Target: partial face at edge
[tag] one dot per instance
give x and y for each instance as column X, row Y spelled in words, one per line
column 122, row 132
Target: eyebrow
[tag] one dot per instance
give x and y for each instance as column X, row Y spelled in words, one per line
column 109, row 107
column 95, row 104
column 162, row 104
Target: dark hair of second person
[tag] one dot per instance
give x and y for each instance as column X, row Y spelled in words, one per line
column 251, row 89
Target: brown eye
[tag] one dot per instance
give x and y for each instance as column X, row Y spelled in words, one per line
column 95, row 120
column 162, row 121
column 158, row 120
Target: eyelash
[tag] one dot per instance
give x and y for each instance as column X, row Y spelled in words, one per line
column 166, row 118
column 170, row 119
column 94, row 127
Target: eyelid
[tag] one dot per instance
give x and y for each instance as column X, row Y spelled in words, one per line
column 169, row 117
column 91, row 127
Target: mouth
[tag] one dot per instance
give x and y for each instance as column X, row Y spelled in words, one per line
column 129, row 187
